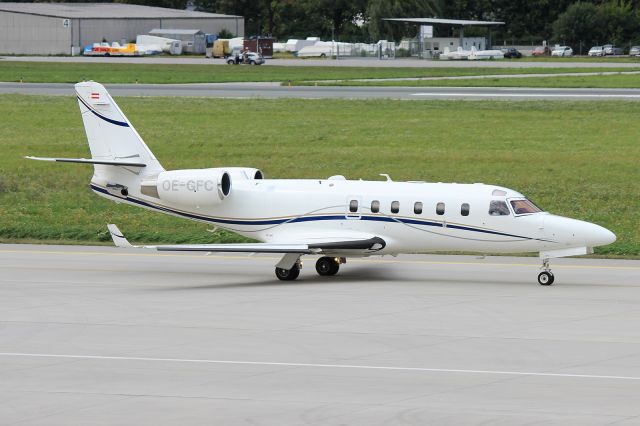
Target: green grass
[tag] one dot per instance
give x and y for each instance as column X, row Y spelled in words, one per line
column 578, row 159
column 106, row 72
column 619, row 81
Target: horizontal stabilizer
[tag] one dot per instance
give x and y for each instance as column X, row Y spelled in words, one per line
column 89, row 161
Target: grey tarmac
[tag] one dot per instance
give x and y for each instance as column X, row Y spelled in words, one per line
column 104, row 336
column 275, row 90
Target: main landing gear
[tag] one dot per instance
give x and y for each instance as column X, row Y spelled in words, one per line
column 288, row 274
column 325, row 266
column 546, row 276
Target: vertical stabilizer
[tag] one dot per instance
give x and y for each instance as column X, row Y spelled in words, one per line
column 110, row 135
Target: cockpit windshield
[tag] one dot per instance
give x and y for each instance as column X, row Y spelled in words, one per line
column 524, row 207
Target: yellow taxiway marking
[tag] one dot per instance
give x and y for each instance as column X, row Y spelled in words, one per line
column 397, row 261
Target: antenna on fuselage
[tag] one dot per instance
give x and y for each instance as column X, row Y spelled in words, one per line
column 387, row 176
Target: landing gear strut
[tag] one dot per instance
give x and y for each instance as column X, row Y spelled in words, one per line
column 546, row 276
column 326, row 266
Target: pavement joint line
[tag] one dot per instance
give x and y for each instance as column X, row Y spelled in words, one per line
column 216, row 256
column 313, row 365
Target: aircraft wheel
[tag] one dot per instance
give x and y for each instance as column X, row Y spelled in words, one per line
column 288, row 274
column 545, row 278
column 326, row 266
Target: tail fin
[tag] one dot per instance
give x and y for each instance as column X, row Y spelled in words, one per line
column 110, row 135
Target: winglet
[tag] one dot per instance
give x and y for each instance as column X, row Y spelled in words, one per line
column 118, row 239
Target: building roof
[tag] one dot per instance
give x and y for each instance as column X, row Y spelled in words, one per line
column 438, row 21
column 104, row 10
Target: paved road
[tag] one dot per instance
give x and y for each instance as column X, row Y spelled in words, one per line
column 354, row 62
column 101, row 336
column 274, row 90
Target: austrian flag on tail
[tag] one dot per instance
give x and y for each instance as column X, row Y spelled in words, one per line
column 95, row 95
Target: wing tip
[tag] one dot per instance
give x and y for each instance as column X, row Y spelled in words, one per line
column 118, row 238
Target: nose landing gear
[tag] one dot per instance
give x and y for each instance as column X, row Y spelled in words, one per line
column 546, row 276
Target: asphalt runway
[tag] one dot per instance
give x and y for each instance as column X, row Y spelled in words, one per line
column 106, row 336
column 275, row 90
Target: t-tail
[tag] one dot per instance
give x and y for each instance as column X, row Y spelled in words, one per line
column 119, row 155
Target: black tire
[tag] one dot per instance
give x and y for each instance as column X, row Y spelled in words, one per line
column 252, row 62
column 288, row 274
column 322, row 55
column 326, row 266
column 232, row 62
column 545, row 278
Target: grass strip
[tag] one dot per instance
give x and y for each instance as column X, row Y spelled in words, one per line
column 619, row 81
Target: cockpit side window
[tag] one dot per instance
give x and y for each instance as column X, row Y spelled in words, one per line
column 524, row 207
column 498, row 208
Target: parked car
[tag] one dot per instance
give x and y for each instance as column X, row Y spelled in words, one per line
column 634, row 51
column 541, row 51
column 596, row 51
column 511, row 53
column 610, row 49
column 251, row 58
column 562, row 51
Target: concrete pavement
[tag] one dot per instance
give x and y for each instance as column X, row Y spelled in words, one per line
column 98, row 335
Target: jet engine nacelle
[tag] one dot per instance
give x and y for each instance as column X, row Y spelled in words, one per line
column 244, row 173
column 196, row 187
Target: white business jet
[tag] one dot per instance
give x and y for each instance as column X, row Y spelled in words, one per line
column 478, row 55
column 335, row 218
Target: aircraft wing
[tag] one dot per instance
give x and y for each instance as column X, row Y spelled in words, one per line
column 370, row 244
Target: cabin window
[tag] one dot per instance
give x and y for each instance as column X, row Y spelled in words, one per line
column 375, row 206
column 524, row 207
column 498, row 208
column 464, row 209
column 353, row 206
column 417, row 207
column 395, row 207
column 440, row 209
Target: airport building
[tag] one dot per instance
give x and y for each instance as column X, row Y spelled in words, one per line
column 426, row 45
column 65, row 28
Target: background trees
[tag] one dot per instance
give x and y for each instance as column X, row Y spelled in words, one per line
column 572, row 22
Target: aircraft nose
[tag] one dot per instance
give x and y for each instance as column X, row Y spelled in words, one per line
column 599, row 236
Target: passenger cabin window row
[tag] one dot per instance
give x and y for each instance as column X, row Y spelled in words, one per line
column 496, row 207
column 418, row 207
